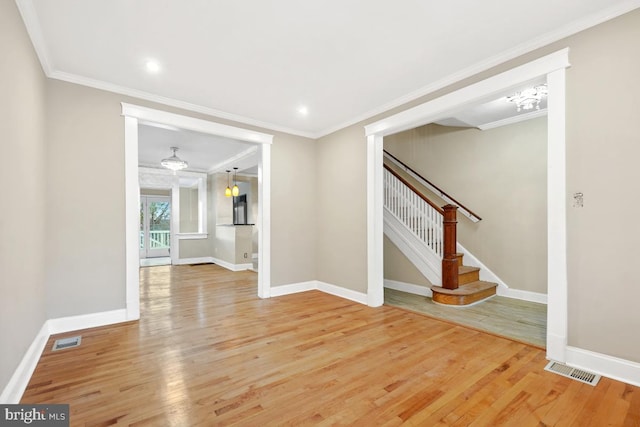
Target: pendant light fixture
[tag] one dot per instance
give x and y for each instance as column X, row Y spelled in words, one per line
column 235, row 191
column 174, row 162
column 227, row 191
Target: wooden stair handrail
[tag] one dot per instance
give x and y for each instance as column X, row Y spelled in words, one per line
column 463, row 209
column 415, row 190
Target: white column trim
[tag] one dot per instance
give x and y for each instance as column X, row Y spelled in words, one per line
column 264, row 221
column 557, row 306
column 132, row 218
column 375, row 224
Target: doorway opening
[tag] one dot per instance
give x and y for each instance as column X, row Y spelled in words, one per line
column 134, row 116
column 553, row 66
column 155, row 226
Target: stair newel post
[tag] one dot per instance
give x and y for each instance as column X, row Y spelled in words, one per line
column 449, row 259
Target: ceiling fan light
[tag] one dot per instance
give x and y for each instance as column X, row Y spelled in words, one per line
column 529, row 99
column 174, row 162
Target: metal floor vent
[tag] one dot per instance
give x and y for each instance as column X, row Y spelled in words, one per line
column 63, row 343
column 574, row 373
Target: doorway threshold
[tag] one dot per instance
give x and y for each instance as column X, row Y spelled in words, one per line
column 152, row 262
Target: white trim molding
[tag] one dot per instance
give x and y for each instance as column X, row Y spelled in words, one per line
column 503, row 289
column 410, row 288
column 602, row 364
column 213, row 260
column 514, row 119
column 375, row 221
column 520, row 294
column 294, row 288
column 485, row 90
column 85, row 321
column 16, row 386
column 553, row 67
column 316, row 285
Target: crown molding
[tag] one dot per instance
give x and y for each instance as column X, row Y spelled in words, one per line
column 32, row 24
column 30, row 18
column 251, row 151
column 513, row 119
column 122, row 90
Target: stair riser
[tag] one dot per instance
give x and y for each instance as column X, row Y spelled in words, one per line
column 472, row 276
column 462, row 299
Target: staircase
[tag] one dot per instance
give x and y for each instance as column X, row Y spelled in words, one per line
column 470, row 288
column 426, row 234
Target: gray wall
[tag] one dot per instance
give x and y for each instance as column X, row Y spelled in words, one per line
column 85, row 245
column 501, row 175
column 603, row 147
column 23, row 212
column 342, row 209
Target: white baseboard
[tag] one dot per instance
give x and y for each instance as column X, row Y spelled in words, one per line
column 16, row 386
column 84, row 321
column 221, row 263
column 607, row 366
column 503, row 289
column 556, row 346
column 315, row 285
column 485, row 273
column 294, row 288
column 343, row 292
column 408, row 287
column 522, row 295
column 200, row 260
column 504, row 292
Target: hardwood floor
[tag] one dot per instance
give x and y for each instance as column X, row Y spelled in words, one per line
column 208, row 352
column 516, row 319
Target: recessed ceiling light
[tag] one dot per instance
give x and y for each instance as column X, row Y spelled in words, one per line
column 152, row 66
column 303, row 111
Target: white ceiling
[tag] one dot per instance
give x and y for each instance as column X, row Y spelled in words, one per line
column 258, row 62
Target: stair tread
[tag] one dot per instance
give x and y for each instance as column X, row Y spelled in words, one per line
column 467, row 269
column 467, row 289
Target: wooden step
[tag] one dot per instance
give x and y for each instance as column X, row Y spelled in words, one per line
column 464, row 295
column 459, row 256
column 468, row 274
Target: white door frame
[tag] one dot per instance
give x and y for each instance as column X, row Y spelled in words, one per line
column 133, row 114
column 553, row 67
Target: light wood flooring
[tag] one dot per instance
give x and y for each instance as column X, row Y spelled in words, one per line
column 208, row 352
column 519, row 320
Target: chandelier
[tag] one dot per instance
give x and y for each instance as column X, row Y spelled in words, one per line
column 174, row 162
column 528, row 99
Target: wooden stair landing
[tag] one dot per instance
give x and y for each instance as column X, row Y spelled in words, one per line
column 470, row 288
